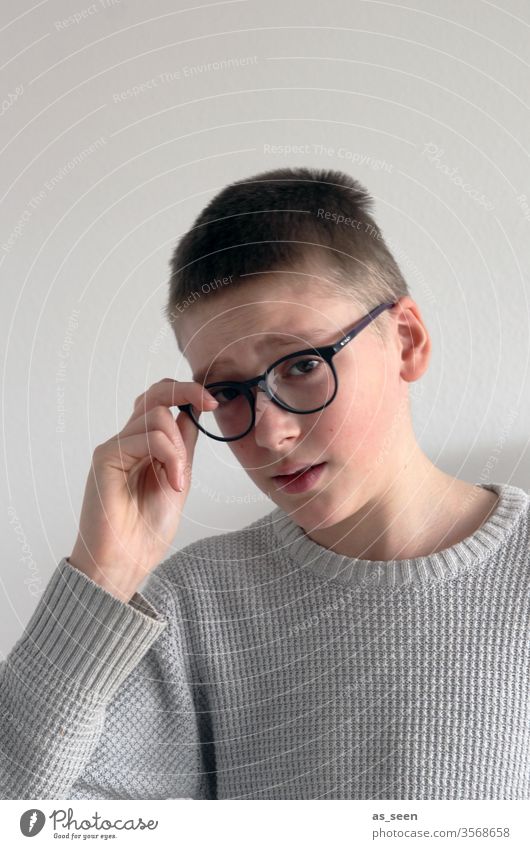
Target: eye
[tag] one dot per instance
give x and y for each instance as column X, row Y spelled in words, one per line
column 224, row 394
column 305, row 366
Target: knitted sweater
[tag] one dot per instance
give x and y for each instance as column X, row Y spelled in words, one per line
column 257, row 664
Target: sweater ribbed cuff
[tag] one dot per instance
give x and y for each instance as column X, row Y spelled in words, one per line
column 86, row 634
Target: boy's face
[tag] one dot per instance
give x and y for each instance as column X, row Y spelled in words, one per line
column 356, row 436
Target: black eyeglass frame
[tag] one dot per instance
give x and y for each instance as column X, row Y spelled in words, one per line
column 326, row 352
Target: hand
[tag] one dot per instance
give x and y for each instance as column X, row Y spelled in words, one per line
column 136, row 489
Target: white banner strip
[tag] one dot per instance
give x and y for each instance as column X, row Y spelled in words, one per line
column 255, row 824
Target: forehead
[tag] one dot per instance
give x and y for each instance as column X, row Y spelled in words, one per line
column 263, row 308
column 235, row 329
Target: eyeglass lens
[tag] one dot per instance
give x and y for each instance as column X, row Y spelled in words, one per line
column 303, row 383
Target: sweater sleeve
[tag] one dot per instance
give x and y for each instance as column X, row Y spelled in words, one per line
column 96, row 697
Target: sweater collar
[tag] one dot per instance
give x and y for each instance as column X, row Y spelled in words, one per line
column 306, row 553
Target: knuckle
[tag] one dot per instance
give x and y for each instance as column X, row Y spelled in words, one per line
column 144, row 396
column 159, row 416
column 158, row 436
column 162, row 440
column 161, row 412
column 103, row 447
column 103, row 451
column 98, row 452
column 164, row 421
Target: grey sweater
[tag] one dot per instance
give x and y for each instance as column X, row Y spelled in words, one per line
column 256, row 664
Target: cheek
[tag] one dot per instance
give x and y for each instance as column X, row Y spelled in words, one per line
column 355, row 424
column 244, row 450
column 239, row 449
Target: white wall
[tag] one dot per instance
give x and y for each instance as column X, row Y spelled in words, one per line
column 382, row 82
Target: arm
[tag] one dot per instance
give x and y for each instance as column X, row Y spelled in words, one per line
column 96, row 700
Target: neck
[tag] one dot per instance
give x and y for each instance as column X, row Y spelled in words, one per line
column 416, row 513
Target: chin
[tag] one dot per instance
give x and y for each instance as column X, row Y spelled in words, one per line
column 315, row 514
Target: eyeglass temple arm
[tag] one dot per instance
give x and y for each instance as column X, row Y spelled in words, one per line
column 369, row 317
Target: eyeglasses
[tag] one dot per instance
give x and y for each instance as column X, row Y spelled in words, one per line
column 304, row 382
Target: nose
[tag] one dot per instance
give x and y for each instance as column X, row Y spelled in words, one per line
column 273, row 424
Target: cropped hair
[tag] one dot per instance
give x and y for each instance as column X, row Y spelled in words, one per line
column 288, row 219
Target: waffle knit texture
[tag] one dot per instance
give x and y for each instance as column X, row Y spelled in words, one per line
column 257, row 664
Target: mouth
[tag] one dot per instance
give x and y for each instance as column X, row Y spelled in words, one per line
column 301, row 480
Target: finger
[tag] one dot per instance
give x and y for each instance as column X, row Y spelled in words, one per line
column 126, row 451
column 189, row 433
column 172, row 393
column 159, row 418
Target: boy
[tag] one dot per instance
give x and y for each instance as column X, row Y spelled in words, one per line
column 367, row 639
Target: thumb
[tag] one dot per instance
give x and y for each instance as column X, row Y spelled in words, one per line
column 189, row 433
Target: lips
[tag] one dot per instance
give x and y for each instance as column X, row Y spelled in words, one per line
column 292, row 470
column 299, row 481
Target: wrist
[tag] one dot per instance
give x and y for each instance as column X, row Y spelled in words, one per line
column 119, row 584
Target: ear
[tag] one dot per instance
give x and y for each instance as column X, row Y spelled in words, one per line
column 414, row 342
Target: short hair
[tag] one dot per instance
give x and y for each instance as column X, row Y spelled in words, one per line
column 287, row 219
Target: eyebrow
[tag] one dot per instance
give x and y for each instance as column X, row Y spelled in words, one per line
column 281, row 342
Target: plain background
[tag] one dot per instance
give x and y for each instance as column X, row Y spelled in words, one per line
column 427, row 104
